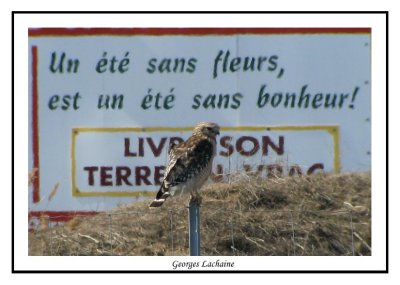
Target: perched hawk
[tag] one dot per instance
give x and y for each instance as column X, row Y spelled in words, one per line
column 189, row 164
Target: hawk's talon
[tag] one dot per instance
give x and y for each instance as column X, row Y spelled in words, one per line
column 195, row 199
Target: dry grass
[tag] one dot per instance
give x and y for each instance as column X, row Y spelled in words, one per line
column 310, row 215
column 32, row 175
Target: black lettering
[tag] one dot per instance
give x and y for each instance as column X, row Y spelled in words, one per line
column 197, row 101
column 272, row 62
column 210, row 101
column 236, row 100
column 191, row 65
column 53, row 102
column 66, row 102
column 165, row 65
column 152, row 65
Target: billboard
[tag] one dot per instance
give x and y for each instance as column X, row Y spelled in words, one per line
column 105, row 104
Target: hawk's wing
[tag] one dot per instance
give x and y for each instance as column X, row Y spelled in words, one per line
column 188, row 159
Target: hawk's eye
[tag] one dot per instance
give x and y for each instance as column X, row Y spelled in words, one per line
column 209, row 128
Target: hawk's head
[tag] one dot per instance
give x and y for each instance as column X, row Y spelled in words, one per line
column 207, row 128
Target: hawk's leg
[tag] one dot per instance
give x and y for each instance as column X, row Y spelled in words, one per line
column 195, row 198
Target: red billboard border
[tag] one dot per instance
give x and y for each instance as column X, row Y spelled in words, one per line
column 60, row 216
column 35, row 125
column 71, row 32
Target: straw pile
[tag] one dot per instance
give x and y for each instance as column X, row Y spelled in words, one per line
column 327, row 214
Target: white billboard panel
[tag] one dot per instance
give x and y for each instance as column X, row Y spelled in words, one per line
column 106, row 103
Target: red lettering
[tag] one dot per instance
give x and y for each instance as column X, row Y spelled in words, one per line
column 295, row 170
column 315, row 167
column 225, row 143
column 156, row 150
column 274, row 170
column 260, row 169
column 122, row 174
column 127, row 152
column 239, row 145
column 244, row 145
column 219, row 175
column 158, row 174
column 266, row 141
column 91, row 170
column 105, row 176
column 249, row 169
column 141, row 148
column 142, row 173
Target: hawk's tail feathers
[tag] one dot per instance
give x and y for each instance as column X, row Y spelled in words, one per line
column 161, row 196
column 157, row 203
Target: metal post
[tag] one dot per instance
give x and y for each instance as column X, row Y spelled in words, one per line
column 194, row 229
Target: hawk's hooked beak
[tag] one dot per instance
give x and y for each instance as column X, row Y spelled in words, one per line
column 217, row 132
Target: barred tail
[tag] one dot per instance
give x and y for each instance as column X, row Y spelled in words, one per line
column 161, row 196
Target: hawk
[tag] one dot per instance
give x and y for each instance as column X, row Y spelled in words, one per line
column 189, row 164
